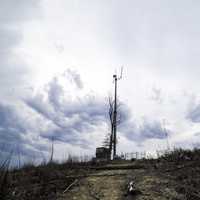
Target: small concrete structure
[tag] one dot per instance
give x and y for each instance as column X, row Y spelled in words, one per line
column 102, row 154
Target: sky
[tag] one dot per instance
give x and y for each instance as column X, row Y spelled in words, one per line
column 57, row 59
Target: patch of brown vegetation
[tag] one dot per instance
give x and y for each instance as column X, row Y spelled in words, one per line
column 174, row 176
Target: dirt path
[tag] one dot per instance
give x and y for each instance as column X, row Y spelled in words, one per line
column 111, row 185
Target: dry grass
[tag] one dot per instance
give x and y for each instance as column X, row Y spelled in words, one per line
column 4, row 172
column 48, row 181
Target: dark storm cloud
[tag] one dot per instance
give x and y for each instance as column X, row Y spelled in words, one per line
column 147, row 130
column 71, row 118
column 67, row 135
column 38, row 103
column 9, row 119
column 55, row 92
column 53, row 116
column 13, row 133
column 153, row 129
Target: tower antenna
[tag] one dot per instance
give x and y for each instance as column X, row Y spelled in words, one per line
column 114, row 133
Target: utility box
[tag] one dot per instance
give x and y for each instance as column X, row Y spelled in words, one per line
column 102, row 154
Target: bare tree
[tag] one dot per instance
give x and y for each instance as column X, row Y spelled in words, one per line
column 111, row 117
column 108, row 141
column 109, row 138
column 52, row 150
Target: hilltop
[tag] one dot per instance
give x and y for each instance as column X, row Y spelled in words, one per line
column 173, row 176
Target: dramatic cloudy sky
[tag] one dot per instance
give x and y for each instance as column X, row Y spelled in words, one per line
column 57, row 59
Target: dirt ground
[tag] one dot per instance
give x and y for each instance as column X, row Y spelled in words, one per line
column 174, row 176
column 112, row 185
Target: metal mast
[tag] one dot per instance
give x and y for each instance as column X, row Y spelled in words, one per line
column 115, row 115
column 115, row 119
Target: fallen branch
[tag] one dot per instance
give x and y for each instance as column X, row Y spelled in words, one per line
column 75, row 181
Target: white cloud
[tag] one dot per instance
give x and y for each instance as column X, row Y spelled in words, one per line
column 157, row 42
